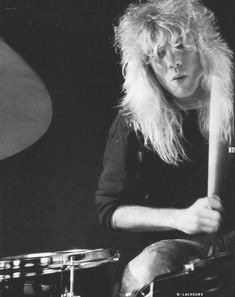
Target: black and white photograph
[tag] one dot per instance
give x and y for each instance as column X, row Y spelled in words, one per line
column 117, row 148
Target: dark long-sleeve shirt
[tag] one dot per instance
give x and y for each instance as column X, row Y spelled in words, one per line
column 135, row 175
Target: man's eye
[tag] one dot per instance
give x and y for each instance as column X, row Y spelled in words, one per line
column 179, row 45
column 161, row 53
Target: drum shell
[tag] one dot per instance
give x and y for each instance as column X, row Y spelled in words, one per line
column 90, row 282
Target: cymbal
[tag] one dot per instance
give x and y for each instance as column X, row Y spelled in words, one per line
column 25, row 105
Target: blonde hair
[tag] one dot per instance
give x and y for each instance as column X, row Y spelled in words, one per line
column 141, row 30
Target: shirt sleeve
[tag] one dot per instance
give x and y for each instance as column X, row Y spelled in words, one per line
column 120, row 181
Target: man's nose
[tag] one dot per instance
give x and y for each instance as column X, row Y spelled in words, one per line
column 173, row 59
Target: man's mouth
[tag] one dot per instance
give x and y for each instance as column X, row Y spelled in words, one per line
column 179, row 77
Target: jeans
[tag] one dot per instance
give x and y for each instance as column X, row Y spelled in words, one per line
column 170, row 255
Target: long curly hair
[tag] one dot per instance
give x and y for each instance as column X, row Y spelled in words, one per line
column 141, row 30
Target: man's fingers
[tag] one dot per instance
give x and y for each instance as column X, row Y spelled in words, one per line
column 210, row 226
column 212, row 215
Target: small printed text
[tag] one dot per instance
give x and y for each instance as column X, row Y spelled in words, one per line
column 189, row 294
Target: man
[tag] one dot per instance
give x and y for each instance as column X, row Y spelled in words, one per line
column 155, row 164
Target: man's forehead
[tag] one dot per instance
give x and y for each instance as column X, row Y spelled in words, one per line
column 168, row 37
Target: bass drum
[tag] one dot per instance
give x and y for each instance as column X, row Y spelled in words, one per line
column 80, row 272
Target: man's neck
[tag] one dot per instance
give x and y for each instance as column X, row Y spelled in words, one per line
column 196, row 101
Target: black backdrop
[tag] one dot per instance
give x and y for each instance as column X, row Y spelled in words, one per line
column 47, row 190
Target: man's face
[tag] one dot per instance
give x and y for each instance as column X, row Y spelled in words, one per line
column 178, row 69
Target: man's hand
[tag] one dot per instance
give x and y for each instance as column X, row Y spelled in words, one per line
column 204, row 216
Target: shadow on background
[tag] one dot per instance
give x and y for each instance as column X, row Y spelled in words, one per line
column 47, row 190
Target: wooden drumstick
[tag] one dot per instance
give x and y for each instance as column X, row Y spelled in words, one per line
column 218, row 157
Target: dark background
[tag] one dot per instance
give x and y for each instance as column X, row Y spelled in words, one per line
column 47, row 190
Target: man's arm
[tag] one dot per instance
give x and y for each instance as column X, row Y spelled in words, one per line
column 204, row 216
column 117, row 210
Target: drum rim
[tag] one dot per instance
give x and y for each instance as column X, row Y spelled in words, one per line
column 51, row 254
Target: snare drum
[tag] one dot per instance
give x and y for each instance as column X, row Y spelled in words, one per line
column 55, row 273
column 209, row 277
